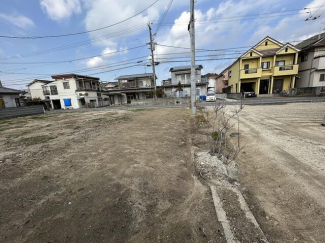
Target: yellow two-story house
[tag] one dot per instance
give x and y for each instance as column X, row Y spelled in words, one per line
column 267, row 68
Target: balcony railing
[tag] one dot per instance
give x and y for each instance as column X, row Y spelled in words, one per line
column 47, row 92
column 285, row 70
column 285, row 67
column 251, row 70
column 250, row 73
column 134, row 84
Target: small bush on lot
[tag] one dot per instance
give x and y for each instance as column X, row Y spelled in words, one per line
column 217, row 127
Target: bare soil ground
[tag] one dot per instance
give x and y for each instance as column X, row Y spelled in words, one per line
column 282, row 170
column 105, row 176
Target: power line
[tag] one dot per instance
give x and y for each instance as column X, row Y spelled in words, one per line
column 188, row 48
column 83, row 70
column 77, row 33
column 229, row 20
column 163, row 16
column 78, row 59
column 256, row 14
column 92, row 73
column 81, row 43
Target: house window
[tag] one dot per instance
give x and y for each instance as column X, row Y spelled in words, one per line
column 45, row 91
column 286, row 50
column 66, row 85
column 251, row 54
column 322, row 77
column 229, row 74
column 54, row 90
column 80, row 84
column 141, row 83
column 17, row 102
column 304, row 57
column 265, row 65
column 246, row 66
column 280, row 63
column 266, row 43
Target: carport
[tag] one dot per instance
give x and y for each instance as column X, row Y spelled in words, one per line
column 248, row 86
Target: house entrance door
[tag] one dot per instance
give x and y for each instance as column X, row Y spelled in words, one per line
column 2, row 103
column 264, row 86
column 56, row 104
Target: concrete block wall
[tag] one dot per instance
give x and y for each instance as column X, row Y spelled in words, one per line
column 6, row 113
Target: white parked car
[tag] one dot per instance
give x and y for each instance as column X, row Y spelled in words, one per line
column 211, row 97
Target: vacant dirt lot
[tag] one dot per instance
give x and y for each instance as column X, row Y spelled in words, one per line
column 283, row 170
column 102, row 176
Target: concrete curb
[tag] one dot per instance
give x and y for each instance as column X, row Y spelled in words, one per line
column 222, row 217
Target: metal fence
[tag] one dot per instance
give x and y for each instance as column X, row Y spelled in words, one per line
column 6, row 113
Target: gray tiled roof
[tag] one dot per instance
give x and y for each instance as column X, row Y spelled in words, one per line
column 4, row 90
column 134, row 76
column 269, row 52
column 312, row 41
column 184, row 68
column 40, row 80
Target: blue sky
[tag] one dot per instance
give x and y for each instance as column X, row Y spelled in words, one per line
column 226, row 24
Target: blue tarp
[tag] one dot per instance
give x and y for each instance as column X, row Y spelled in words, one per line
column 67, row 102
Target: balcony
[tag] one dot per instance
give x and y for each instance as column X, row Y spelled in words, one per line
column 250, row 73
column 134, row 84
column 285, row 70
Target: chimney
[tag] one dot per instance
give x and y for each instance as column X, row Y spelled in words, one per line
column 0, row 84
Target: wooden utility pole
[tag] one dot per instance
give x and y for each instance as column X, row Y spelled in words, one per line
column 193, row 76
column 152, row 48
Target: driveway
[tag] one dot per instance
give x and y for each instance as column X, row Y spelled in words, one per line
column 283, row 170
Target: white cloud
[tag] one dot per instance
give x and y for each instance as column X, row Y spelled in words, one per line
column 94, row 62
column 18, row 20
column 102, row 13
column 293, row 28
column 61, row 9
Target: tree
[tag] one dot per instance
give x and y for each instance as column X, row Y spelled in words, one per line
column 179, row 86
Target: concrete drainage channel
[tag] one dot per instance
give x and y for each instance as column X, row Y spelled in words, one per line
column 237, row 220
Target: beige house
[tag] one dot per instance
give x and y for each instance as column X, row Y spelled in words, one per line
column 221, row 81
column 131, row 87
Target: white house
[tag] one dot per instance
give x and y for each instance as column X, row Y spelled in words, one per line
column 312, row 62
column 182, row 74
column 9, row 97
column 73, row 91
column 180, row 83
column 36, row 88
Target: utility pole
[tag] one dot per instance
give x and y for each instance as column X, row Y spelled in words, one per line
column 193, row 81
column 152, row 48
